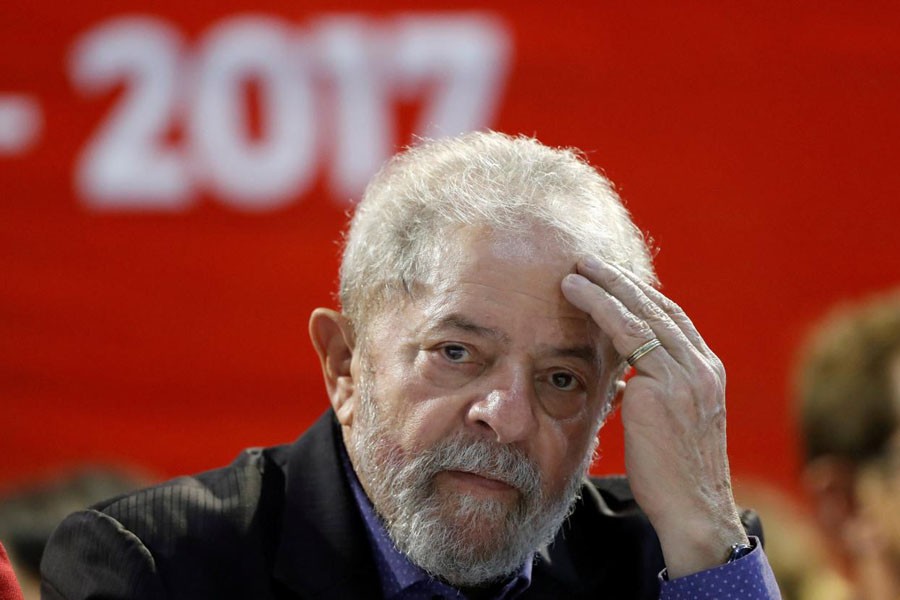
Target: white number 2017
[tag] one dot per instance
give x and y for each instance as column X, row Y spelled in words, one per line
column 337, row 79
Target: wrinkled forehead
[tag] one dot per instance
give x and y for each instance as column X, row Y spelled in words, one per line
column 508, row 246
column 529, row 242
column 476, row 264
column 507, row 277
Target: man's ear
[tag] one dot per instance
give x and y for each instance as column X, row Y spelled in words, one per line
column 334, row 341
column 616, row 392
column 617, row 388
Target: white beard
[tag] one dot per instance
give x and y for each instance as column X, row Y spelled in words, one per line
column 465, row 540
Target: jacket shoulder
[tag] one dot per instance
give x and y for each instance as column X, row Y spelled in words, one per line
column 209, row 502
column 90, row 555
column 207, row 535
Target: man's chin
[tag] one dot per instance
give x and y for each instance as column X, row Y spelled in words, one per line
column 479, row 524
column 474, row 551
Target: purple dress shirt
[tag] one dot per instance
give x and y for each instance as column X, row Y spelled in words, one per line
column 748, row 578
column 400, row 578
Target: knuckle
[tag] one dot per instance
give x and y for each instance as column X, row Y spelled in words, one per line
column 650, row 309
column 708, row 379
column 676, row 311
column 637, row 328
column 616, row 276
column 718, row 366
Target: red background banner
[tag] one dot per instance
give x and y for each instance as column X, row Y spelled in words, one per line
column 173, row 177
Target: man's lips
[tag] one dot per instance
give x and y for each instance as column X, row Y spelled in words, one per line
column 476, row 481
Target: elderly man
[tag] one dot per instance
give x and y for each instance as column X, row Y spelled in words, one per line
column 849, row 391
column 492, row 291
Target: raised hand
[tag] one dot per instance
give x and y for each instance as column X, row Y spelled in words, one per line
column 673, row 413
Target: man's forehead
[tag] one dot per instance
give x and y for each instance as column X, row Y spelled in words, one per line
column 475, row 306
column 484, row 280
column 533, row 246
column 452, row 316
column 520, row 269
column 569, row 331
column 510, row 247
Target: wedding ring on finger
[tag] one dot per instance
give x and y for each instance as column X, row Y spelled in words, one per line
column 645, row 348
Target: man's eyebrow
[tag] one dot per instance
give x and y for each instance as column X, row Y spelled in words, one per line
column 459, row 322
column 586, row 352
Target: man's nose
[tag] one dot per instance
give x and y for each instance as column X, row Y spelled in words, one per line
column 507, row 410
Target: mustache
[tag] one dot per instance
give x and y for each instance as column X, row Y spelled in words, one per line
column 481, row 457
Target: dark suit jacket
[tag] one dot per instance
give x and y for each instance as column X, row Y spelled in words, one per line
column 281, row 523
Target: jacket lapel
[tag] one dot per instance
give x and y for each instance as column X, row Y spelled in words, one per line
column 323, row 551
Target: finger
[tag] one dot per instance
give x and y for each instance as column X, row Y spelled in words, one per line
column 675, row 312
column 626, row 330
column 642, row 307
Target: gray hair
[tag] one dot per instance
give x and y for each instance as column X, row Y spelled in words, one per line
column 505, row 183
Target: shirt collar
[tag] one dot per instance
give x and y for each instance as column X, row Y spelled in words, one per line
column 400, row 578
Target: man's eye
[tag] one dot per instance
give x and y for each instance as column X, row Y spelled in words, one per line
column 564, row 381
column 455, row 353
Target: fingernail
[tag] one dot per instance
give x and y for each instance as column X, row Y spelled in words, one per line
column 574, row 279
column 591, row 263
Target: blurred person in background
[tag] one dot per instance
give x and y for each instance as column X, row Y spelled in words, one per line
column 796, row 548
column 9, row 586
column 849, row 393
